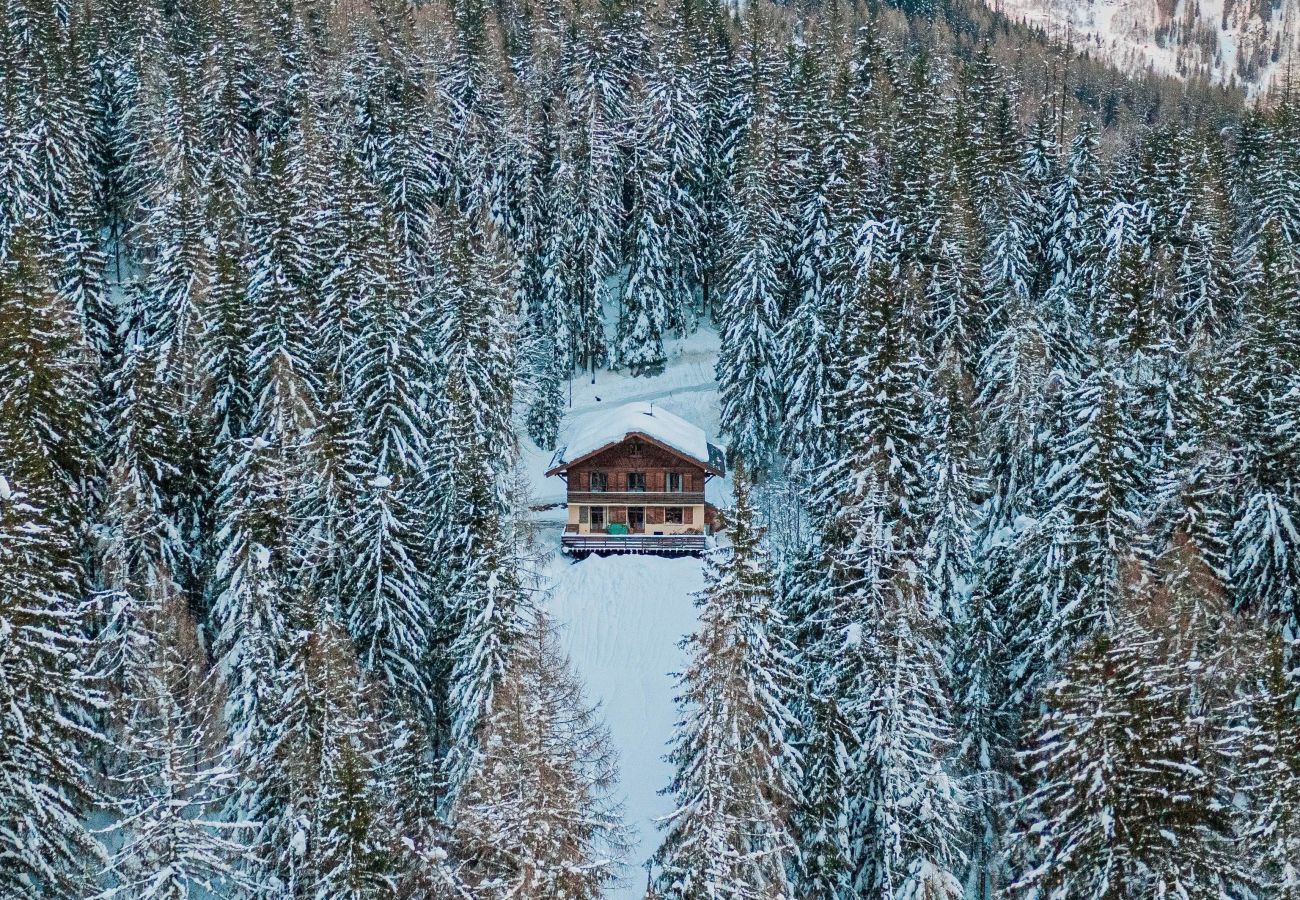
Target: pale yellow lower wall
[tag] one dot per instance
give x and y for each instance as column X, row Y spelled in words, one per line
column 697, row 522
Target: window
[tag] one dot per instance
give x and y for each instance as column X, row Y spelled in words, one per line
column 597, row 517
column 636, row 481
column 599, row 482
column 582, row 515
column 673, row 482
column 634, row 448
column 673, row 515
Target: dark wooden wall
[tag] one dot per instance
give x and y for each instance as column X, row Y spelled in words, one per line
column 617, row 461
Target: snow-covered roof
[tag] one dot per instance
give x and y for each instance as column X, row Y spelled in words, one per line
column 606, row 428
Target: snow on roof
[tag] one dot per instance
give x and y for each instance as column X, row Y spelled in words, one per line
column 601, row 429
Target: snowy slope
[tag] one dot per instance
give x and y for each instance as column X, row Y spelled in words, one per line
column 1225, row 41
column 622, row 620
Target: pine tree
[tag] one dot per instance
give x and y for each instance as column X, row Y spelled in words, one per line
column 1270, row 773
column 984, row 728
column 537, row 815
column 749, row 359
column 672, row 175
column 952, row 464
column 881, row 405
column 1128, row 767
column 378, row 328
column 737, row 773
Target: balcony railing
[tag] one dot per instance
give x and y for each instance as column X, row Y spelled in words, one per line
column 637, row 498
column 666, row 544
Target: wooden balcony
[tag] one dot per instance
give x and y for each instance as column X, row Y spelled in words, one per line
column 656, row 544
column 636, row 498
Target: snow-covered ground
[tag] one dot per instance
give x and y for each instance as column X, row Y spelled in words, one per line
column 622, row 619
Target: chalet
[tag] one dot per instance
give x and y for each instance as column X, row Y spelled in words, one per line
column 636, row 483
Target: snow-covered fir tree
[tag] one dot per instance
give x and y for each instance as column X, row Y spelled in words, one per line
column 47, row 785
column 1007, row 338
column 737, row 770
column 749, row 359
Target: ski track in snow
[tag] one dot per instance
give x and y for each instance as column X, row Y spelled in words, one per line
column 622, row 620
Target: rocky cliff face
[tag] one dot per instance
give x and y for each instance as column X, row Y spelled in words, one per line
column 1250, row 43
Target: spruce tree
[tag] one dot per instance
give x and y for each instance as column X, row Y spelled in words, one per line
column 647, row 293
column 49, row 717
column 736, row 781
column 749, row 359
column 1270, row 774
column 46, row 784
column 1128, row 764
column 175, row 774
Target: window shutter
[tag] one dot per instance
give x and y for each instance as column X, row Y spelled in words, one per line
column 583, row 517
column 654, row 515
column 688, row 515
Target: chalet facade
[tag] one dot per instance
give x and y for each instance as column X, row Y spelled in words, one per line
column 636, row 483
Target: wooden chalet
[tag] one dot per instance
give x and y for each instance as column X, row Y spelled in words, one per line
column 636, row 483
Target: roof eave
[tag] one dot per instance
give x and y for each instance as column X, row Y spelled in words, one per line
column 704, row 464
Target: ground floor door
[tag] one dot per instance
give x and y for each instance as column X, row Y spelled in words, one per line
column 636, row 519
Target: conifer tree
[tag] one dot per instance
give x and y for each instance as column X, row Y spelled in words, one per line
column 749, row 359
column 908, row 801
column 47, row 366
column 1270, row 773
column 175, row 774
column 1128, row 764
column 822, row 821
column 351, row 844
column 46, row 784
column 547, row 409
column 488, row 612
column 1264, row 552
column 385, row 587
column 737, row 775
column 281, row 379
column 647, row 293
column 52, row 700
column 537, row 816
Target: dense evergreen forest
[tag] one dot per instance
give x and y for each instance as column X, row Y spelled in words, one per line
column 1010, row 367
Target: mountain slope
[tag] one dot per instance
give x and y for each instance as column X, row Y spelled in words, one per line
column 1243, row 43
